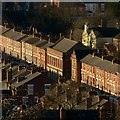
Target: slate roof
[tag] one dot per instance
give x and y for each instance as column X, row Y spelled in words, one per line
column 102, row 64
column 32, row 40
column 64, row 45
column 117, row 36
column 3, row 29
column 47, row 45
column 31, row 77
column 19, row 73
column 14, row 35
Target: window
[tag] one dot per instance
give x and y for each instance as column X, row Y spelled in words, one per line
column 30, row 89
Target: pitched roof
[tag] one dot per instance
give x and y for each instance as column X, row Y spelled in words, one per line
column 64, row 45
column 32, row 40
column 102, row 64
column 14, row 35
column 47, row 45
column 3, row 29
column 117, row 36
column 31, row 77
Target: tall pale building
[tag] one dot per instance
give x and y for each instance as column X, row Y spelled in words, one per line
column 88, row 37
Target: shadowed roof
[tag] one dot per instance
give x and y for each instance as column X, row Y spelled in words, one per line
column 117, row 36
column 31, row 77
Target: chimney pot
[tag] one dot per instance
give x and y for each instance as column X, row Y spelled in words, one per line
column 102, row 58
column 93, row 55
column 40, row 37
column 33, row 35
column 18, row 68
column 21, row 32
column 60, row 35
column 70, row 34
column 113, row 61
column 13, row 29
column 48, row 38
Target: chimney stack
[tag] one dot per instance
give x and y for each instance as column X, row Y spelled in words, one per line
column 48, row 38
column 40, row 37
column 18, row 67
column 71, row 34
column 33, row 31
column 93, row 55
column 102, row 57
column 31, row 71
column 36, row 30
column 112, row 61
column 17, row 79
column 13, row 29
column 85, row 27
column 33, row 35
column 60, row 35
column 21, row 32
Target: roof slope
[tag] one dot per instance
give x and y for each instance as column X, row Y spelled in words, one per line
column 102, row 64
column 64, row 45
column 13, row 35
column 117, row 36
column 3, row 29
column 31, row 77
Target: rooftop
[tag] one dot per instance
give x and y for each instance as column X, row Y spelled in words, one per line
column 14, row 35
column 3, row 29
column 31, row 77
column 52, row 101
column 64, row 45
column 102, row 64
column 47, row 45
column 117, row 36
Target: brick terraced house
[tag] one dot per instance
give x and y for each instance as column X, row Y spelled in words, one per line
column 101, row 73
column 58, row 58
column 2, row 38
column 76, row 56
column 11, row 42
column 30, row 52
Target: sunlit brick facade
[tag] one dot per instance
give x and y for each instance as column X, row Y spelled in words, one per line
column 106, row 79
column 54, row 63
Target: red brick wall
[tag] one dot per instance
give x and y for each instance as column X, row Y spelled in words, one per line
column 100, row 78
column 38, row 85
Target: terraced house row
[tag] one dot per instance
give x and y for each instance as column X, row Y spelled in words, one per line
column 53, row 57
column 26, row 47
column 66, row 58
column 97, row 72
